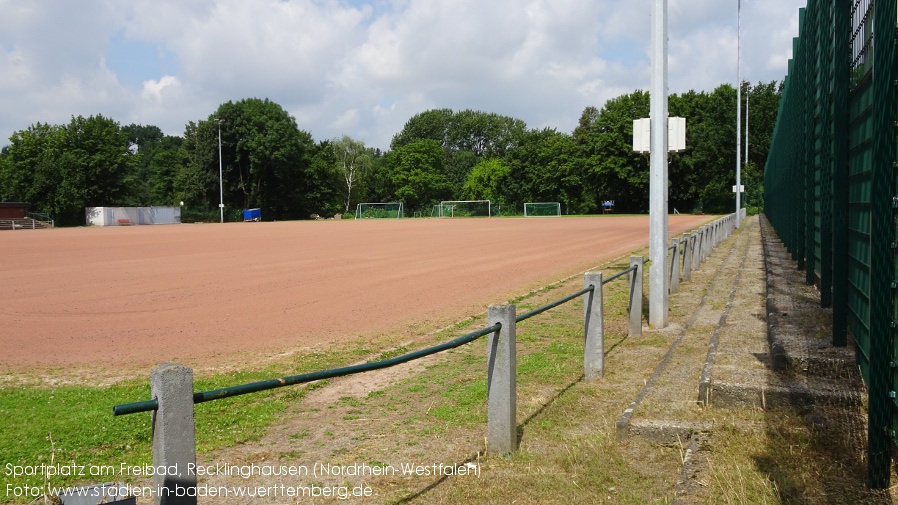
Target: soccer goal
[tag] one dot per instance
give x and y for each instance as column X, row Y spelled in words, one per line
column 383, row 210
column 542, row 209
column 463, row 208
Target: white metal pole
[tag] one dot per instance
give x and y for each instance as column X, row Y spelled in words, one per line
column 220, row 184
column 658, row 279
column 738, row 112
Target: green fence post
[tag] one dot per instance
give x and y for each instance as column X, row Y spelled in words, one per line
column 882, row 310
column 841, row 78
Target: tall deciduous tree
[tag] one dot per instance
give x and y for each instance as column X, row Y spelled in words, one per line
column 545, row 168
column 605, row 142
column 485, row 182
column 62, row 169
column 416, row 173
column 158, row 164
column 352, row 163
column 197, row 182
column 264, row 157
column 320, row 189
column 466, row 137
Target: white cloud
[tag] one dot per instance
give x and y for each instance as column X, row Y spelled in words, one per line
column 347, row 120
column 153, row 90
column 364, row 68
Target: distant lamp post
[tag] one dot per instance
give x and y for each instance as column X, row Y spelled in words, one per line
column 738, row 187
column 220, row 185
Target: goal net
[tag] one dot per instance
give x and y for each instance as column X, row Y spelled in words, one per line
column 542, row 209
column 384, row 210
column 463, row 208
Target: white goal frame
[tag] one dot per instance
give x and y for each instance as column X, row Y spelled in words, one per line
column 443, row 204
column 400, row 212
column 556, row 204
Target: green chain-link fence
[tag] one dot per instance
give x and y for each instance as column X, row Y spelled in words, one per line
column 831, row 190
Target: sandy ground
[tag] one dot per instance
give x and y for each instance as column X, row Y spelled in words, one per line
column 120, row 297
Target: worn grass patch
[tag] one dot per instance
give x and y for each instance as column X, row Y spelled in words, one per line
column 73, row 424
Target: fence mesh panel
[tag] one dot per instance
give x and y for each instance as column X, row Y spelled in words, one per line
column 830, row 188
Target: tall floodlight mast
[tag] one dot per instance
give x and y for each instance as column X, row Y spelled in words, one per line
column 220, row 184
column 658, row 278
column 738, row 188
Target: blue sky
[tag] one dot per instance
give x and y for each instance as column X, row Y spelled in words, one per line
column 363, row 68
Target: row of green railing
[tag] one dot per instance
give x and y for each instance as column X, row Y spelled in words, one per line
column 830, row 188
column 292, row 380
column 172, row 384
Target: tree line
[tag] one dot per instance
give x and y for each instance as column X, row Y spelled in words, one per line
column 267, row 162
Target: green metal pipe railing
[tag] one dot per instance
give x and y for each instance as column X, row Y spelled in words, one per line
column 619, row 274
column 254, row 387
column 540, row 310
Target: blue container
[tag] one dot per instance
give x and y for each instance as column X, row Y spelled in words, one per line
column 252, row 215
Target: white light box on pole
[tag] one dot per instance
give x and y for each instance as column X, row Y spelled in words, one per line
column 642, row 135
column 676, row 135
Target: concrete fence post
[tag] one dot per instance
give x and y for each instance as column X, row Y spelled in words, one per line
column 688, row 244
column 675, row 266
column 696, row 244
column 593, row 327
column 708, row 244
column 174, row 440
column 636, row 281
column 502, row 426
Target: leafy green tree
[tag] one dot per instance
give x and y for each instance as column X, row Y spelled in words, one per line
column 63, row 169
column 701, row 178
column 4, row 159
column 417, row 176
column 466, row 138
column 319, row 189
column 30, row 172
column 428, row 125
column 352, row 163
column 544, row 168
column 711, row 143
column 378, row 183
column 103, row 160
column 158, row 163
column 610, row 168
column 196, row 183
column 762, row 106
column 485, row 181
column 264, row 158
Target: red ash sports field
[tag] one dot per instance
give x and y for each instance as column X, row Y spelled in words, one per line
column 120, row 297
